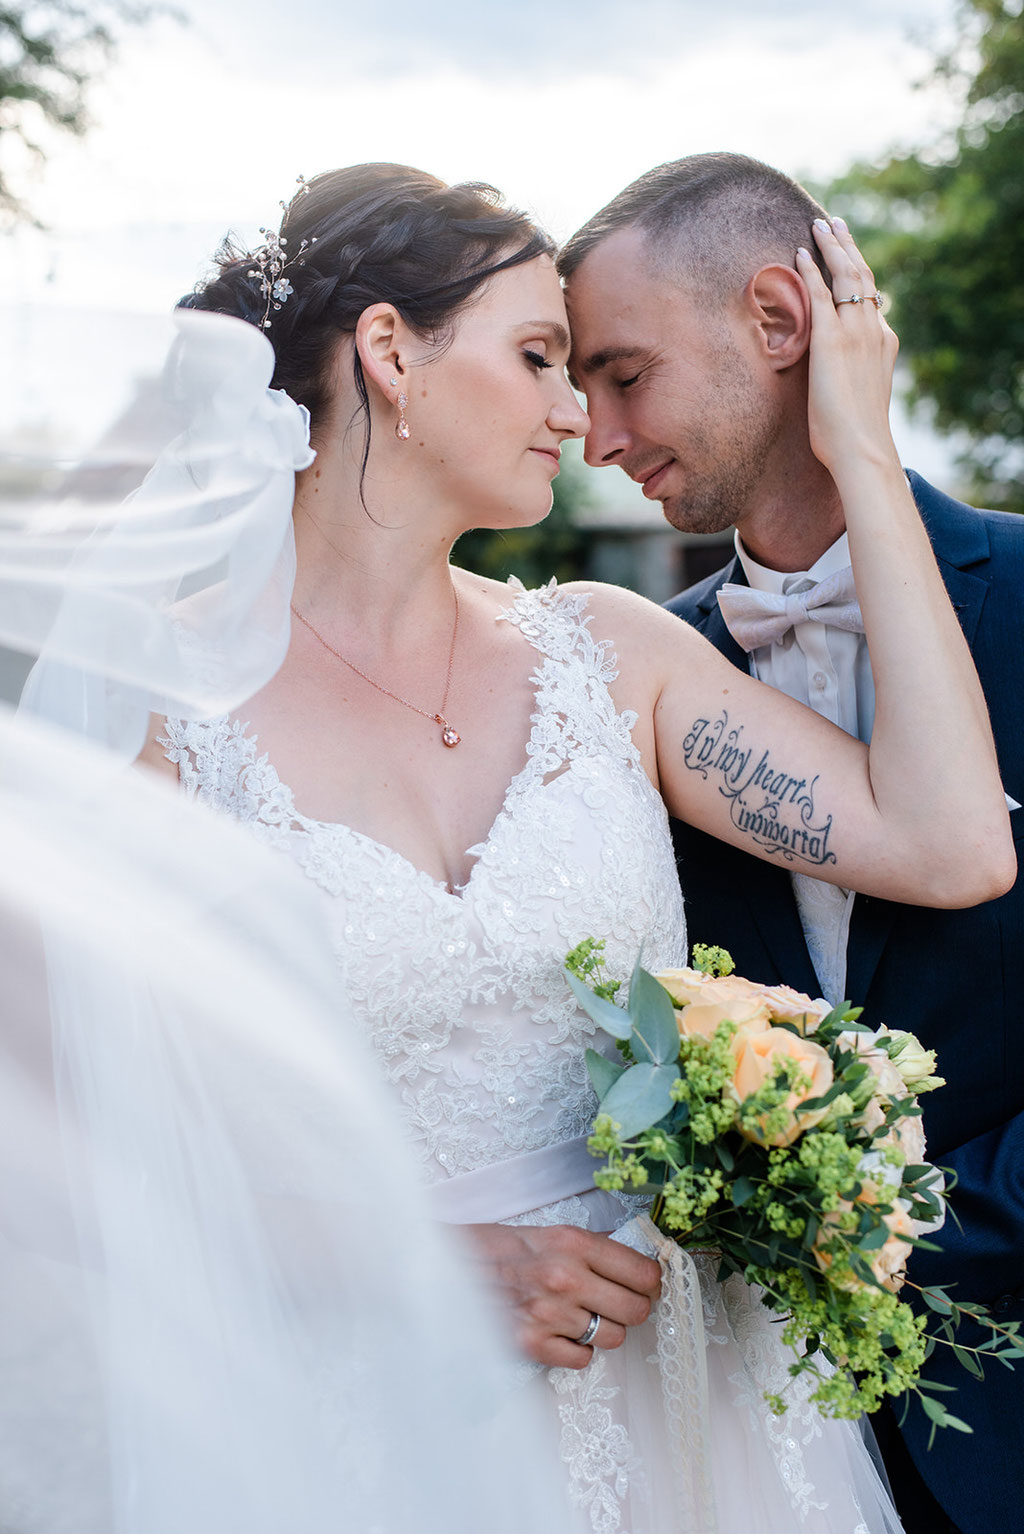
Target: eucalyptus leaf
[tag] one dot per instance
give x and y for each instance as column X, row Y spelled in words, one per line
column 874, row 1239
column 956, row 1422
column 603, row 1072
column 655, row 1030
column 641, row 1096
column 968, row 1362
column 606, row 1014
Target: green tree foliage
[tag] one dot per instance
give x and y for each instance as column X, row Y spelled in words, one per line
column 50, row 52
column 942, row 229
column 555, row 546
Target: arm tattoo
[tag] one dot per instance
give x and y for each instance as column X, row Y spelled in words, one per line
column 773, row 808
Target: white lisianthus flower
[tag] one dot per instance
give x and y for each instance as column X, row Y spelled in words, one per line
column 915, row 1063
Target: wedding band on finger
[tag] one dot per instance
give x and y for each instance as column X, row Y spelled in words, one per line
column 591, row 1331
column 861, row 298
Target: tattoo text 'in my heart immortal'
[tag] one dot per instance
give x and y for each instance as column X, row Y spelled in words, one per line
column 770, row 805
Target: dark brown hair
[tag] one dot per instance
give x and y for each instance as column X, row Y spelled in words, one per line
column 376, row 233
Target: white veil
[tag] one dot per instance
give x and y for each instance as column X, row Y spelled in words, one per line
column 207, row 454
column 222, row 1304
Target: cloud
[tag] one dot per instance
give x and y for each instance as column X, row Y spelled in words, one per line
column 536, row 39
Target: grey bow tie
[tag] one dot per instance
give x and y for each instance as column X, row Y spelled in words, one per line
column 756, row 618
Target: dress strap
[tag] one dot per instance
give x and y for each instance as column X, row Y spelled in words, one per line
column 556, row 623
column 575, row 710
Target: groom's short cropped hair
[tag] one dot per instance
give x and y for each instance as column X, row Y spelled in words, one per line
column 711, row 220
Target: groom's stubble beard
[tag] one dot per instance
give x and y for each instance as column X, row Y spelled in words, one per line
column 727, row 451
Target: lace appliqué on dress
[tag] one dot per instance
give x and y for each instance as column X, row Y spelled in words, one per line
column 596, row 1450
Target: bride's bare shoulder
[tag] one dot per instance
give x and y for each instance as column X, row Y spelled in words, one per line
column 625, row 617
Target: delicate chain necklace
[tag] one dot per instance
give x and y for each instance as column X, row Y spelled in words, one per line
column 449, row 735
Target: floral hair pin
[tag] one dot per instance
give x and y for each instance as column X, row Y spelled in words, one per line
column 271, row 262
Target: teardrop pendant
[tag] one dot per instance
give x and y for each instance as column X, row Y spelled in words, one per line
column 449, row 736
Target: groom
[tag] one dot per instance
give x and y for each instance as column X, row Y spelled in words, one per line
column 690, row 338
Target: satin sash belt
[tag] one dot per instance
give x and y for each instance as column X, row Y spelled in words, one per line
column 508, row 1188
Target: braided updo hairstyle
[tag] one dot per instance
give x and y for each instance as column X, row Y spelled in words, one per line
column 375, row 233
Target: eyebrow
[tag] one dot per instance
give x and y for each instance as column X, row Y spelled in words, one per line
column 601, row 359
column 558, row 333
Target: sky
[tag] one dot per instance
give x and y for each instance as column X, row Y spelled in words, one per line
column 202, row 125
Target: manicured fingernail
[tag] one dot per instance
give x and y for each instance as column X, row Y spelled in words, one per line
column 821, row 223
column 839, row 223
column 801, row 250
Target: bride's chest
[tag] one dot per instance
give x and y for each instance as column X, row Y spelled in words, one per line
column 588, row 846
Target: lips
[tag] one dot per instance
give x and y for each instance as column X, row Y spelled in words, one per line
column 650, row 479
column 551, row 454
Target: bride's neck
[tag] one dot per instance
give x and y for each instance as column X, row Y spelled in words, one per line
column 381, row 568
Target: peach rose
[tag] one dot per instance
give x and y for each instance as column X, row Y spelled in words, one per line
column 789, row 1006
column 908, row 1134
column 689, row 985
column 889, row 1082
column 757, row 1055
column 703, row 1001
column 888, row 1264
column 703, row 1017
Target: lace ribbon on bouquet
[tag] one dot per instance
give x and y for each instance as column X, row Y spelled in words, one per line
column 682, row 1359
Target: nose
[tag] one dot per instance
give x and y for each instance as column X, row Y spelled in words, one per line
column 606, row 440
column 567, row 414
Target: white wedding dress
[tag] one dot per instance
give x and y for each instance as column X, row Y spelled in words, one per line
column 476, row 1030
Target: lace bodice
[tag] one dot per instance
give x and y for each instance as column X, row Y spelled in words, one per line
column 463, row 993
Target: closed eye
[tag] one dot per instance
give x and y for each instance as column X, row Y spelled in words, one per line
column 626, row 383
column 537, row 360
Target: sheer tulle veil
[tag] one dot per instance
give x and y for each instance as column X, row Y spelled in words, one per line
column 222, row 1304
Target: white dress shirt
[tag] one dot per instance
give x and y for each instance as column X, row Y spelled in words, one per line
column 829, row 669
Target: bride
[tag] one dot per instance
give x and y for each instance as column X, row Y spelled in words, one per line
column 476, row 777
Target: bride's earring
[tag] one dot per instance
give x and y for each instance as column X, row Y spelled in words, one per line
column 401, row 425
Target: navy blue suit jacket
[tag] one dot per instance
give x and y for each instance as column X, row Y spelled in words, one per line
column 956, row 978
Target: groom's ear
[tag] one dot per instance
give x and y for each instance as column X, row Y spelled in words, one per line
column 777, row 301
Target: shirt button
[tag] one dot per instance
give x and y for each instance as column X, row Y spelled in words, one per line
column 820, row 681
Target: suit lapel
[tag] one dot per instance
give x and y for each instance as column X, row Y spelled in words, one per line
column 967, row 594
column 870, row 925
column 712, row 625
column 958, row 538
column 774, row 913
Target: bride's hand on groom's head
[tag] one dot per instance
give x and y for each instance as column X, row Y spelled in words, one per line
column 852, row 354
column 556, row 1278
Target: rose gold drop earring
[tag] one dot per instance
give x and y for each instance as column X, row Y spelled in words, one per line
column 401, row 425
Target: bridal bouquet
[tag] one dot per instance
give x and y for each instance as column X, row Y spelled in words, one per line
column 786, row 1136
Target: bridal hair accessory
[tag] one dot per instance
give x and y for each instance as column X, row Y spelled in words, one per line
column 272, row 261
column 591, row 1331
column 402, row 425
column 449, row 735
column 861, row 298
